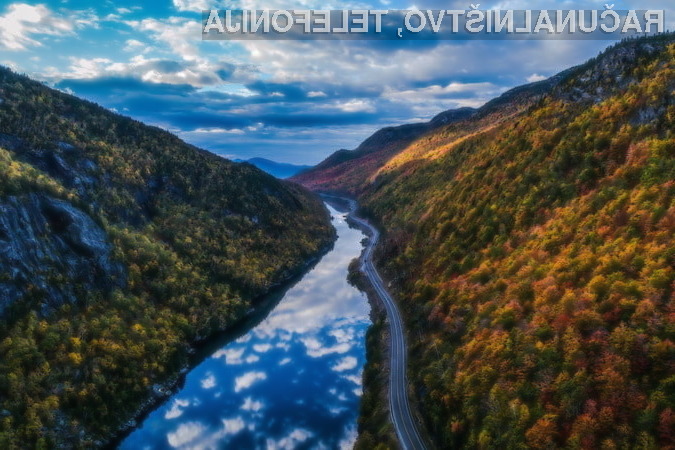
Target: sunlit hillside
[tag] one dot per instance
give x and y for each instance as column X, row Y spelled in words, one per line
column 534, row 256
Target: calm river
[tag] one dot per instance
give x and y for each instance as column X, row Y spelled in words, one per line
column 291, row 381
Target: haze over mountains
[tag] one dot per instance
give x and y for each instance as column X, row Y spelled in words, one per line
column 119, row 246
column 530, row 243
column 276, row 169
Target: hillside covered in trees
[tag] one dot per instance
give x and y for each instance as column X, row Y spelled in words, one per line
column 119, row 246
column 346, row 171
column 532, row 250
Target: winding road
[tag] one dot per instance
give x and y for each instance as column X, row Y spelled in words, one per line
column 399, row 405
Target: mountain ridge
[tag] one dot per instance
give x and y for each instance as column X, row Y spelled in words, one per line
column 377, row 148
column 385, row 145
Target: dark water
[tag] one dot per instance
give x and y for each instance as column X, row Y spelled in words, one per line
column 292, row 381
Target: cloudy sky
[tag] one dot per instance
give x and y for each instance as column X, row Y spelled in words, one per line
column 288, row 101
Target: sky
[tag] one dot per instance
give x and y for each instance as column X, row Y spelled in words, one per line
column 289, row 101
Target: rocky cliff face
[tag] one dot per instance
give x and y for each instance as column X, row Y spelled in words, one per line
column 52, row 251
column 44, row 241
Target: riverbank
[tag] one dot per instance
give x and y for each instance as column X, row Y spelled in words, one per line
column 375, row 427
column 294, row 377
column 405, row 423
column 200, row 348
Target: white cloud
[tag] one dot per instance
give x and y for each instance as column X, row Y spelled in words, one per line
column 232, row 355
column 349, row 439
column 22, row 20
column 178, row 33
column 179, row 37
column 283, row 345
column 343, row 334
column 247, row 380
column 354, row 379
column 194, row 435
column 535, row 77
column 346, row 363
column 176, row 409
column 395, row 73
column 316, row 349
column 251, row 405
column 82, row 68
column 193, row 74
column 185, row 433
column 209, row 382
column 244, row 339
column 291, row 441
column 262, row 348
column 132, row 45
column 223, row 131
column 336, row 411
column 252, row 358
column 233, row 426
column 191, row 5
column 435, row 91
column 356, row 106
column 311, row 343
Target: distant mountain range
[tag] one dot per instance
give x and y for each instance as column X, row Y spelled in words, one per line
column 531, row 245
column 276, row 169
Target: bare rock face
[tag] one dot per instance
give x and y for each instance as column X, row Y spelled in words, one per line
column 50, row 251
column 605, row 75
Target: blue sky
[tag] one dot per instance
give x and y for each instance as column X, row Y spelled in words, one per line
column 290, row 101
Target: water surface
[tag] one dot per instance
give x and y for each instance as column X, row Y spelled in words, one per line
column 292, row 381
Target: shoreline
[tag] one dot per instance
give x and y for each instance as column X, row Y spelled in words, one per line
column 198, row 349
column 374, row 423
column 377, row 344
column 382, row 429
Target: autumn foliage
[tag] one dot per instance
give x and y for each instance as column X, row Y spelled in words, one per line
column 535, row 259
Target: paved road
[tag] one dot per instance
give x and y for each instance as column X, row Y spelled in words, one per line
column 399, row 406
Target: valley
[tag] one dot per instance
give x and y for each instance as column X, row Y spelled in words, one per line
column 501, row 275
column 288, row 376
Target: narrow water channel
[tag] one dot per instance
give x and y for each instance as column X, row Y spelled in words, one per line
column 291, row 381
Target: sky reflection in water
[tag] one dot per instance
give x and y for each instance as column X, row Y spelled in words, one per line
column 293, row 381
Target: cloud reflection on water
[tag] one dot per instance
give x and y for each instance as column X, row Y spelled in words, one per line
column 294, row 380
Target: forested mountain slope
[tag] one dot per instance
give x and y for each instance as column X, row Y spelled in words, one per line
column 534, row 258
column 353, row 172
column 345, row 171
column 120, row 245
